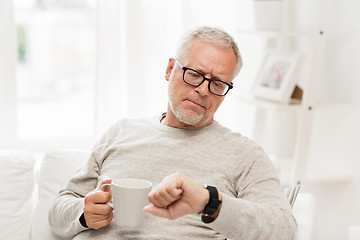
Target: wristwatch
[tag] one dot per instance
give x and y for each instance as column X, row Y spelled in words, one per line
column 212, row 205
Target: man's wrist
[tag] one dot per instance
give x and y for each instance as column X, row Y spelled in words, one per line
column 82, row 221
column 209, row 219
column 212, row 208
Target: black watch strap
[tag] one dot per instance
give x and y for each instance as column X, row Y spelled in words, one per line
column 213, row 203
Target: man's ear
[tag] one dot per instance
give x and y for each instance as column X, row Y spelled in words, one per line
column 169, row 69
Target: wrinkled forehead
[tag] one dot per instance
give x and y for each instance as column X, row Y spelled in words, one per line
column 209, row 59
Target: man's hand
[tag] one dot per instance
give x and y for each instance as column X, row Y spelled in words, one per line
column 177, row 196
column 97, row 213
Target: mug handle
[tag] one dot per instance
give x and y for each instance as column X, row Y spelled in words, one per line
column 102, row 189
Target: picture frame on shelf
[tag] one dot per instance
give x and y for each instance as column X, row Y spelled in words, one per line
column 276, row 80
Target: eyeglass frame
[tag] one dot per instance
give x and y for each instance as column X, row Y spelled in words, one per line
column 230, row 85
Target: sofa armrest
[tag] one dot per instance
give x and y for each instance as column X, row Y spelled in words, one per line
column 57, row 167
column 17, row 180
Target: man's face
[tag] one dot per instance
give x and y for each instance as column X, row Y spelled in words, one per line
column 194, row 107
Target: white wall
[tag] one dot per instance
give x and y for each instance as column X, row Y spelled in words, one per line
column 332, row 172
column 336, row 134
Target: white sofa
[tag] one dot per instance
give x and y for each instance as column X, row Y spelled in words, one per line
column 28, row 187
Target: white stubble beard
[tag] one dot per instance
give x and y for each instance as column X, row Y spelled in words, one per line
column 180, row 113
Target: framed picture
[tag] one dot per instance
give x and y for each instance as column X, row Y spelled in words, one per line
column 276, row 79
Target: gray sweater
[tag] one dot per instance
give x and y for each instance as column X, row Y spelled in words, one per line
column 253, row 208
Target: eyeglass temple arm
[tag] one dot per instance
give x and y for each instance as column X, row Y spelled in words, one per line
column 178, row 63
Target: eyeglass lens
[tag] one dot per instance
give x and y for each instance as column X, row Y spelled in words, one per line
column 215, row 86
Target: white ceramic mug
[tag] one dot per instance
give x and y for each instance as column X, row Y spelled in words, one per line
column 129, row 199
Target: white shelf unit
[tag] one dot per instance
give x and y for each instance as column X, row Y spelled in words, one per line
column 294, row 169
column 296, row 32
column 260, row 103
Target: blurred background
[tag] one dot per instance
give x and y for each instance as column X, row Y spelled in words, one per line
column 82, row 65
column 71, row 68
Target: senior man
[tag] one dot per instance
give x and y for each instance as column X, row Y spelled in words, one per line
column 178, row 152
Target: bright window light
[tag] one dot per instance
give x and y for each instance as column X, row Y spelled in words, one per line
column 56, row 68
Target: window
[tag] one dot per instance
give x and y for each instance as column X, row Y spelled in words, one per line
column 55, row 70
column 84, row 64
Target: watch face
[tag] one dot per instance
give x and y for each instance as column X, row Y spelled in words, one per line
column 207, row 219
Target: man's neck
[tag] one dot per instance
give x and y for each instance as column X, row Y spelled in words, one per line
column 171, row 121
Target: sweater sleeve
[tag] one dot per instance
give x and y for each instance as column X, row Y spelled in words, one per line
column 64, row 221
column 65, row 212
column 68, row 207
column 260, row 210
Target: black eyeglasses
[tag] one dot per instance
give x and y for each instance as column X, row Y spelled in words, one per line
column 195, row 78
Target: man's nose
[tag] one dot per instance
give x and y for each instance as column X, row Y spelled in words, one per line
column 203, row 89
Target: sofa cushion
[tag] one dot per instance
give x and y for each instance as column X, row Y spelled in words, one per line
column 57, row 167
column 16, row 198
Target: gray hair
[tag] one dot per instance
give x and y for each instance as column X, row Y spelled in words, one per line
column 212, row 35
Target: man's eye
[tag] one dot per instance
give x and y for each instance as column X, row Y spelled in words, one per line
column 195, row 75
column 192, row 75
column 218, row 85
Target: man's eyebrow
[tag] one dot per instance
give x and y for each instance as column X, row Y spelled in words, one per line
column 213, row 77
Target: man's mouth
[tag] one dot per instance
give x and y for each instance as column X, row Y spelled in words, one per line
column 195, row 103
